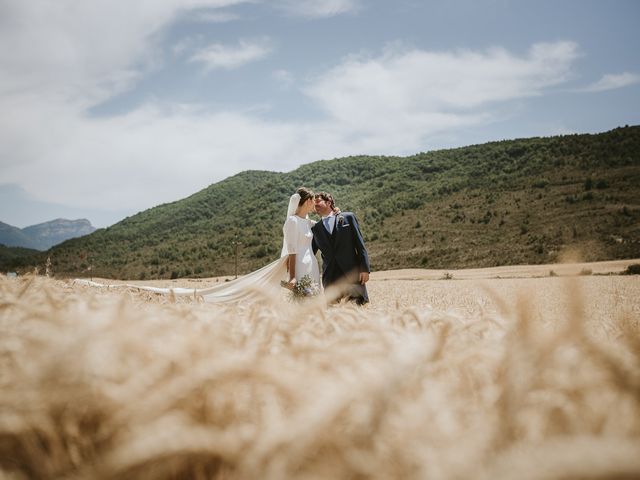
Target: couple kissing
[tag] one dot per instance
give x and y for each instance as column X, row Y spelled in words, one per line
column 345, row 261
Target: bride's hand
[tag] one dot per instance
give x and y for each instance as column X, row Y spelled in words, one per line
column 290, row 284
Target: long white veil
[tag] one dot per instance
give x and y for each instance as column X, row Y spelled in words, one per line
column 265, row 281
column 294, row 201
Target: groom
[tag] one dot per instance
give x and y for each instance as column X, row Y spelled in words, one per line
column 345, row 262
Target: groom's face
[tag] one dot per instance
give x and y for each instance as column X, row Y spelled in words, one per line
column 322, row 206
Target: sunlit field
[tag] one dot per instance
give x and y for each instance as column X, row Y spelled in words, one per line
column 527, row 373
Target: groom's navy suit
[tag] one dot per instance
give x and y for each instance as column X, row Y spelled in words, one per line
column 344, row 255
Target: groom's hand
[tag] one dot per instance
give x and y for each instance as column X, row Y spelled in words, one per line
column 364, row 277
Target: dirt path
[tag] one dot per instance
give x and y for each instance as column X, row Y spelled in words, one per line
column 510, row 271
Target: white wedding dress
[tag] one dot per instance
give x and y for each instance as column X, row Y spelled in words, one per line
column 297, row 238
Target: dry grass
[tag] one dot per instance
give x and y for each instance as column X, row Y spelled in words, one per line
column 521, row 378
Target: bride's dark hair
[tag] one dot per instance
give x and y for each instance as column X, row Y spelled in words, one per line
column 305, row 194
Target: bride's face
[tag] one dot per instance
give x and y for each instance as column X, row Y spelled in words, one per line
column 308, row 205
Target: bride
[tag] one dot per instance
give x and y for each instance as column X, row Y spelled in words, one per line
column 300, row 260
column 296, row 261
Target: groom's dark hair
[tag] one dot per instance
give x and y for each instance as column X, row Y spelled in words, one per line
column 327, row 197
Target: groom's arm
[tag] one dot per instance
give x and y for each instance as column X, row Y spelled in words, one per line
column 363, row 256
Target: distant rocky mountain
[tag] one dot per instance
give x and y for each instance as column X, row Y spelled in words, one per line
column 14, row 237
column 44, row 235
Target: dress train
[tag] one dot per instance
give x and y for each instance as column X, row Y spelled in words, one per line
column 265, row 280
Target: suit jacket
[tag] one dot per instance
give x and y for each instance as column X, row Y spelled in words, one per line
column 344, row 255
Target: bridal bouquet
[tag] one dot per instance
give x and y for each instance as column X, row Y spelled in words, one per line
column 305, row 287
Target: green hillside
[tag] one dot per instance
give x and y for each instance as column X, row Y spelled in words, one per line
column 508, row 202
column 19, row 258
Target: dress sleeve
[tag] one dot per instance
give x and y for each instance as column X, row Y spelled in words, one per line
column 290, row 230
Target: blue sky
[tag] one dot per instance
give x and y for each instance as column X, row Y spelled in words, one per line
column 112, row 107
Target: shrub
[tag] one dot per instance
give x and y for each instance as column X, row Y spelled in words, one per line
column 260, row 252
column 588, row 184
column 633, row 269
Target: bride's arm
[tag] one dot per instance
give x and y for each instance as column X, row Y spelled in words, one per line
column 291, row 268
column 290, row 231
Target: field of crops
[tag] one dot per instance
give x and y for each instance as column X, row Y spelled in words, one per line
column 467, row 374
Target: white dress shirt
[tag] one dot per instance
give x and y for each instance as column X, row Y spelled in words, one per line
column 329, row 222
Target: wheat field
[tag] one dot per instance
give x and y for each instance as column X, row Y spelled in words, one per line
column 492, row 374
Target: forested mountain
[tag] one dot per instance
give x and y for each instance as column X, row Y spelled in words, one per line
column 19, row 258
column 507, row 202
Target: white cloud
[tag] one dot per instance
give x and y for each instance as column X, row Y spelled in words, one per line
column 226, row 56
column 612, row 81
column 145, row 157
column 423, row 91
column 284, row 78
column 318, row 8
column 186, row 44
column 217, row 17
column 81, row 52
